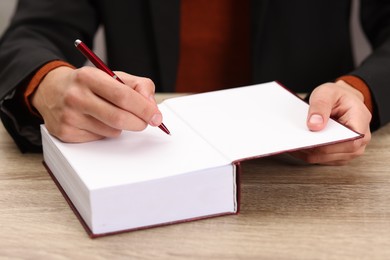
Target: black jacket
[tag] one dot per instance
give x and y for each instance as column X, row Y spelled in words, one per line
column 301, row 43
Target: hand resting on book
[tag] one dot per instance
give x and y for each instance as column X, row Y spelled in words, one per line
column 345, row 104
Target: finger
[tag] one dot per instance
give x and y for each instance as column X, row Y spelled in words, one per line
column 315, row 157
column 131, row 101
column 358, row 118
column 71, row 134
column 76, row 135
column 81, row 136
column 144, row 86
column 115, row 117
column 322, row 101
column 97, row 127
column 107, row 114
column 308, row 158
column 345, row 147
column 71, row 119
column 120, row 95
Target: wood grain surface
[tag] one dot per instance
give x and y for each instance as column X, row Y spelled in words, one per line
column 289, row 210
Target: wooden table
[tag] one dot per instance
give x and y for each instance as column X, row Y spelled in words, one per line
column 288, row 211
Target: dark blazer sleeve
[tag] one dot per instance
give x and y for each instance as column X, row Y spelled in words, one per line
column 375, row 69
column 40, row 31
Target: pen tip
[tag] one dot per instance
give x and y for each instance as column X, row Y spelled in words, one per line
column 165, row 129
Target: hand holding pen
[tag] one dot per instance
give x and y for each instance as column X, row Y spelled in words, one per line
column 81, row 105
column 91, row 56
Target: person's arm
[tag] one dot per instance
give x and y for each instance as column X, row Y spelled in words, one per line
column 362, row 107
column 40, row 31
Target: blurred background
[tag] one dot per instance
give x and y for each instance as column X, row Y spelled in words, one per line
column 6, row 9
column 361, row 47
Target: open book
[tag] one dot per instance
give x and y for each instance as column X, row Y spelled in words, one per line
column 144, row 179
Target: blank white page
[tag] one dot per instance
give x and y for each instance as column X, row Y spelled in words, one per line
column 254, row 121
column 141, row 156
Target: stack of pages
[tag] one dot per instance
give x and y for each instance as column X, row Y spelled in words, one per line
column 144, row 179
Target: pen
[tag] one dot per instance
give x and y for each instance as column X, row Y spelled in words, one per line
column 92, row 57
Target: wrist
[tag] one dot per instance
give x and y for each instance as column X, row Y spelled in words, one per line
column 45, row 89
column 36, row 81
column 350, row 88
column 361, row 86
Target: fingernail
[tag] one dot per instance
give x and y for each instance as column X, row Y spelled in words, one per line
column 316, row 119
column 156, row 120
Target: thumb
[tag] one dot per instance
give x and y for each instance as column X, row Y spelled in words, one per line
column 321, row 103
